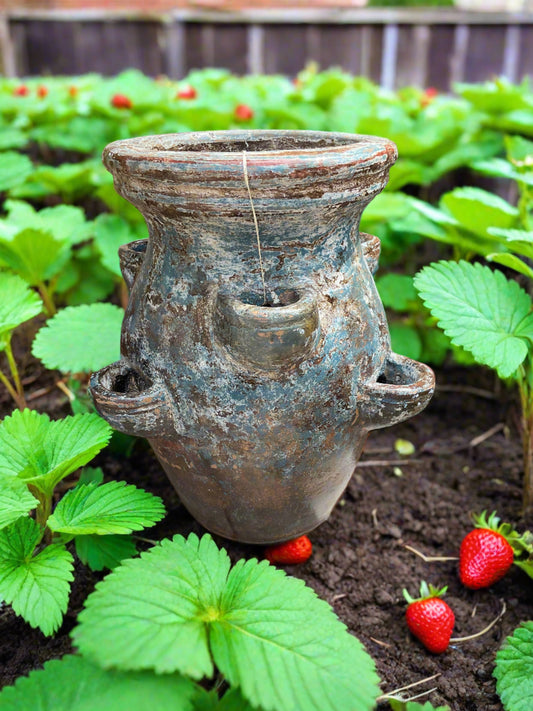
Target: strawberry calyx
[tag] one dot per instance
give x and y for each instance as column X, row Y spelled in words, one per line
column 427, row 592
column 521, row 543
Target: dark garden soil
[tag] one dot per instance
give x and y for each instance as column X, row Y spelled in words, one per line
column 360, row 563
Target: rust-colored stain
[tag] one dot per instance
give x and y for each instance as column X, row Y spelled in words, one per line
column 258, row 411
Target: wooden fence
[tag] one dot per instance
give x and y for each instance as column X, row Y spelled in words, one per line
column 394, row 47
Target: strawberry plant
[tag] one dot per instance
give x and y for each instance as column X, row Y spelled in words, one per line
column 182, row 609
column 514, row 669
column 18, row 304
column 36, row 454
column 491, row 317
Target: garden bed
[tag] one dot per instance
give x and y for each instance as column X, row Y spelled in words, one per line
column 360, row 563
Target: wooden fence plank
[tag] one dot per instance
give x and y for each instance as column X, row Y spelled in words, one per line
column 285, row 49
column 8, row 63
column 256, row 49
column 412, row 59
column 440, row 57
column 173, row 44
column 341, row 46
column 525, row 65
column 231, row 48
column 484, row 57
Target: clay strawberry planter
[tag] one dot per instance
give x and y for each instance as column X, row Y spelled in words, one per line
column 258, row 411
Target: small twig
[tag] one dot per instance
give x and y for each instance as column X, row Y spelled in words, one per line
column 486, row 435
column 429, row 558
column 39, row 393
column 422, row 693
column 245, row 170
column 387, row 462
column 381, row 644
column 487, row 394
column 374, row 515
column 61, row 385
column 145, row 540
column 484, row 631
column 409, row 686
column 338, row 597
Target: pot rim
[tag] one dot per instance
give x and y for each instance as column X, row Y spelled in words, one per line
column 368, row 153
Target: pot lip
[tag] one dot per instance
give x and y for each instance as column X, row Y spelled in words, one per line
column 364, row 151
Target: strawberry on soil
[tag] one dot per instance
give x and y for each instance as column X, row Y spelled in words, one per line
column 429, row 618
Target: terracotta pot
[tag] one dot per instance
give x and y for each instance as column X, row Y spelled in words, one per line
column 257, row 411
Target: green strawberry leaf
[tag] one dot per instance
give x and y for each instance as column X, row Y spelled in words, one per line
column 99, row 552
column 42, row 452
column 18, row 303
column 399, row 705
column 92, row 332
column 34, row 255
column 36, row 586
column 512, row 262
column 477, row 210
column 91, row 474
column 111, row 231
column 514, row 669
column 481, row 311
column 112, row 508
column 15, row 500
column 180, row 608
column 232, row 700
column 14, row 169
column 74, row 684
column 160, row 601
column 267, row 616
column 397, row 292
column 65, row 223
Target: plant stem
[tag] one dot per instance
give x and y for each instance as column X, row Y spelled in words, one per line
column 14, row 371
column 11, row 390
column 46, row 296
column 526, row 401
column 42, row 512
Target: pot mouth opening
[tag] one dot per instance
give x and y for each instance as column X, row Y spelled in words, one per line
column 125, row 380
column 260, row 143
column 275, row 298
column 172, row 147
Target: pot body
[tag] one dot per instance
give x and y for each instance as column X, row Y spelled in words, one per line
column 255, row 363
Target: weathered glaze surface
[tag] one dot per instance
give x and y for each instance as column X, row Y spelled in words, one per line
column 258, row 413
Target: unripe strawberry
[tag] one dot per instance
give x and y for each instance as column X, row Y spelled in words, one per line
column 243, row 112
column 486, row 553
column 298, row 550
column 187, row 92
column 21, row 90
column 429, row 618
column 121, row 101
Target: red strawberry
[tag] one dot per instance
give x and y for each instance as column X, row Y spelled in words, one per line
column 42, row 91
column 187, row 92
column 73, row 91
column 21, row 90
column 243, row 112
column 429, row 618
column 428, row 96
column 298, row 550
column 486, row 552
column 121, row 101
